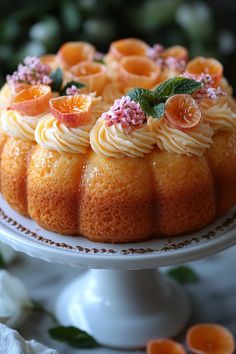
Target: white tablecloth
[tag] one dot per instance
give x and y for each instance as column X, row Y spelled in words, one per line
column 213, row 297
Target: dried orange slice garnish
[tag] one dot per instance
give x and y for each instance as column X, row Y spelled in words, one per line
column 127, row 47
column 71, row 110
column 92, row 74
column 50, row 60
column 210, row 339
column 209, row 66
column 164, row 346
column 177, row 51
column 72, row 53
column 32, row 100
column 137, row 71
column 182, row 112
column 18, row 87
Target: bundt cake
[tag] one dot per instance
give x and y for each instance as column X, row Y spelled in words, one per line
column 122, row 147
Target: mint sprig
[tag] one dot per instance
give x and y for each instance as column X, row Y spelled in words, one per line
column 57, row 79
column 153, row 102
column 77, row 84
column 183, row 274
column 73, row 336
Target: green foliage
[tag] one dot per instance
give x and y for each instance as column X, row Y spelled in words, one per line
column 35, row 28
column 183, row 274
column 73, row 336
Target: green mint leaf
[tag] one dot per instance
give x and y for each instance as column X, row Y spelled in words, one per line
column 79, row 85
column 159, row 110
column 145, row 98
column 100, row 61
column 73, row 336
column 2, row 262
column 183, row 274
column 57, row 79
column 176, row 85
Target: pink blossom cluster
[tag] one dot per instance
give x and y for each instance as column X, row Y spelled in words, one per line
column 72, row 90
column 98, row 56
column 207, row 90
column 32, row 72
column 172, row 63
column 126, row 112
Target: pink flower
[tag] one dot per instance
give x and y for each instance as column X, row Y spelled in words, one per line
column 32, row 72
column 155, row 51
column 207, row 90
column 126, row 112
column 72, row 90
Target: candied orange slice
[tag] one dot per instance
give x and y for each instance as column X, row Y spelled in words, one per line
column 138, row 71
column 33, row 100
column 210, row 339
column 177, row 51
column 182, row 112
column 164, row 346
column 50, row 60
column 127, row 47
column 92, row 74
column 209, row 66
column 19, row 87
column 72, row 53
column 71, row 110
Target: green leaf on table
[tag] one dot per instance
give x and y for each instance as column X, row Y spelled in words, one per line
column 57, row 79
column 77, row 84
column 183, row 274
column 2, row 261
column 73, row 336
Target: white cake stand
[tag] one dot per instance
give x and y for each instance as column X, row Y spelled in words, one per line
column 123, row 301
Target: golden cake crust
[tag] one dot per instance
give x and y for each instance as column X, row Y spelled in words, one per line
column 119, row 200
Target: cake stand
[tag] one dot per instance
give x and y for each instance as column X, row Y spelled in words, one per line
column 122, row 300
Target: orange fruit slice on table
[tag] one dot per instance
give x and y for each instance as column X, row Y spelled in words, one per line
column 127, row 47
column 182, row 112
column 177, row 51
column 164, row 346
column 73, row 111
column 210, row 339
column 32, row 100
column 92, row 74
column 137, row 71
column 209, row 66
column 72, row 53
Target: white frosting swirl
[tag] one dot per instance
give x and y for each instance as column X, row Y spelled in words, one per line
column 51, row 134
column 18, row 125
column 173, row 140
column 112, row 141
column 218, row 114
column 5, row 96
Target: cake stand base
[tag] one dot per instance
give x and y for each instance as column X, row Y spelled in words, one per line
column 124, row 308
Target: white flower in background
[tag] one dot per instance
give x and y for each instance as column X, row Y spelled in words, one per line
column 7, row 253
column 12, row 342
column 14, row 300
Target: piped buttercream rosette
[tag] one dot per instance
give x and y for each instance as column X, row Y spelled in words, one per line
column 122, row 131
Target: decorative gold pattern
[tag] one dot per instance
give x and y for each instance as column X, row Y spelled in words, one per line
column 170, row 245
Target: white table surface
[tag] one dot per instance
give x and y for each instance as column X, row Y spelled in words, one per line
column 213, row 297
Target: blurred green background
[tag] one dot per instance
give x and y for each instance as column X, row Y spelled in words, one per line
column 35, row 27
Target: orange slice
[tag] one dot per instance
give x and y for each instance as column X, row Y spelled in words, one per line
column 71, row 110
column 50, row 60
column 72, row 53
column 209, row 66
column 33, row 100
column 138, row 71
column 19, row 87
column 164, row 346
column 210, row 339
column 127, row 47
column 92, row 74
column 176, row 51
column 182, row 112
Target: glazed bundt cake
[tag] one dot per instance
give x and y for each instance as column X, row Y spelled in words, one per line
column 122, row 147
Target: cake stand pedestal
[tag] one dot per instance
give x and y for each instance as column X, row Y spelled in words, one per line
column 122, row 300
